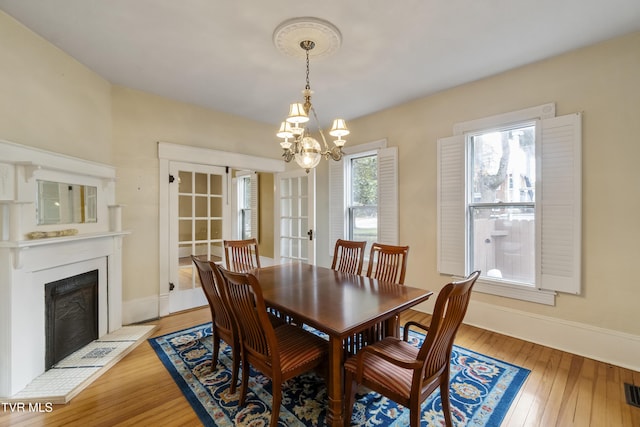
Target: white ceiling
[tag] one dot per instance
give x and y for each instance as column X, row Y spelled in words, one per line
column 219, row 53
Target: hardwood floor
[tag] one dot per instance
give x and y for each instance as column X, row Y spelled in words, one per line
column 562, row 389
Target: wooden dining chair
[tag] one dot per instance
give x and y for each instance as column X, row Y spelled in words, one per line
column 348, row 256
column 388, row 263
column 280, row 353
column 407, row 374
column 223, row 326
column 241, row 255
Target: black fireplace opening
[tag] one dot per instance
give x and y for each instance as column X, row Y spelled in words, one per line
column 71, row 315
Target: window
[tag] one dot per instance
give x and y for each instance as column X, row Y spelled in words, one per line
column 362, row 198
column 501, row 206
column 245, row 202
column 363, row 189
column 509, row 199
column 244, row 207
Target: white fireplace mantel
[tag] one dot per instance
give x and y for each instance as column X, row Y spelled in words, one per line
column 26, row 265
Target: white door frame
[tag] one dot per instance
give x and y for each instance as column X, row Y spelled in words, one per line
column 183, row 153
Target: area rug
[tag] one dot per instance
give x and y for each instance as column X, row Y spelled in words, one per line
column 481, row 389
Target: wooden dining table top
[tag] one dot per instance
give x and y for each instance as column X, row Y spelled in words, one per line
column 334, row 302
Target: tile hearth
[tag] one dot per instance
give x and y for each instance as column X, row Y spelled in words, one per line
column 74, row 373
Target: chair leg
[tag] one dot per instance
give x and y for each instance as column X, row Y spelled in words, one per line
column 275, row 403
column 235, row 367
column 245, row 380
column 446, row 403
column 216, row 349
column 414, row 416
column 350, row 388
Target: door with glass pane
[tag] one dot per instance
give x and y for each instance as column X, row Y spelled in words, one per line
column 198, row 209
column 295, row 213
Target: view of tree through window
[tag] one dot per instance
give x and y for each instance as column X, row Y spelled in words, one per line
column 502, row 203
column 363, row 204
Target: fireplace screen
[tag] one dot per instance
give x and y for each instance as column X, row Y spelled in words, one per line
column 71, row 315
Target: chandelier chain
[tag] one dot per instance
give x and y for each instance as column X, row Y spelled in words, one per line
column 307, row 86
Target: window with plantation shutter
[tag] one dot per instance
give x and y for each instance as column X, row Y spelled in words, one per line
column 520, row 222
column 345, row 215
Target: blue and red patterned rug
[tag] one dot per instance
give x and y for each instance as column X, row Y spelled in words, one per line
column 482, row 389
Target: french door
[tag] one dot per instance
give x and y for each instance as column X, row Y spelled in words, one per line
column 199, row 221
column 295, row 206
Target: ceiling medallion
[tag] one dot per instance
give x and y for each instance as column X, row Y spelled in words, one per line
column 288, row 36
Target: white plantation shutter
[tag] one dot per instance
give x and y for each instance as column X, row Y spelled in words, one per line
column 336, row 203
column 451, row 205
column 559, row 195
column 388, row 196
column 254, row 205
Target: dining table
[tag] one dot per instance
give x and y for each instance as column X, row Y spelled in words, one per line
column 338, row 304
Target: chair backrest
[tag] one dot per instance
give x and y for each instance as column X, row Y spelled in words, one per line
column 211, row 281
column 449, row 311
column 244, row 294
column 348, row 256
column 388, row 263
column 241, row 255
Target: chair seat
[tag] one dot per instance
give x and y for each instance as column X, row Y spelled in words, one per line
column 298, row 347
column 394, row 378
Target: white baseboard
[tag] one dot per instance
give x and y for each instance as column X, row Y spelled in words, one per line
column 140, row 310
column 605, row 345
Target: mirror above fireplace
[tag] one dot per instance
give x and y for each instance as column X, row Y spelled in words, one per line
column 62, row 203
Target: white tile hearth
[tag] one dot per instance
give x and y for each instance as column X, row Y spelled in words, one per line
column 74, row 373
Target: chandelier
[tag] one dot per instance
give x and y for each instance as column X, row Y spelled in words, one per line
column 297, row 141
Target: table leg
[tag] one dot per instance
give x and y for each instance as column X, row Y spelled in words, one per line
column 335, row 383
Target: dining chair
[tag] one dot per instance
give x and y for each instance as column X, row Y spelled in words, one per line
column 223, row 326
column 388, row 263
column 280, row 353
column 408, row 374
column 348, row 256
column 241, row 255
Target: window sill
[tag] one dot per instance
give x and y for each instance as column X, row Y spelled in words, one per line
column 515, row 291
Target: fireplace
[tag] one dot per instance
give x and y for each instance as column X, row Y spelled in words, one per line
column 71, row 318
column 30, row 265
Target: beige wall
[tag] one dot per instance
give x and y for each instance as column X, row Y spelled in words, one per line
column 48, row 100
column 603, row 82
column 265, row 218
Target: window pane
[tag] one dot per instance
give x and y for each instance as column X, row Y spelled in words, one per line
column 503, row 243
column 363, row 203
column 364, row 181
column 184, row 206
column 363, row 223
column 503, row 166
column 184, row 182
column 201, row 183
column 245, row 223
column 216, row 184
column 216, row 207
column 201, row 206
